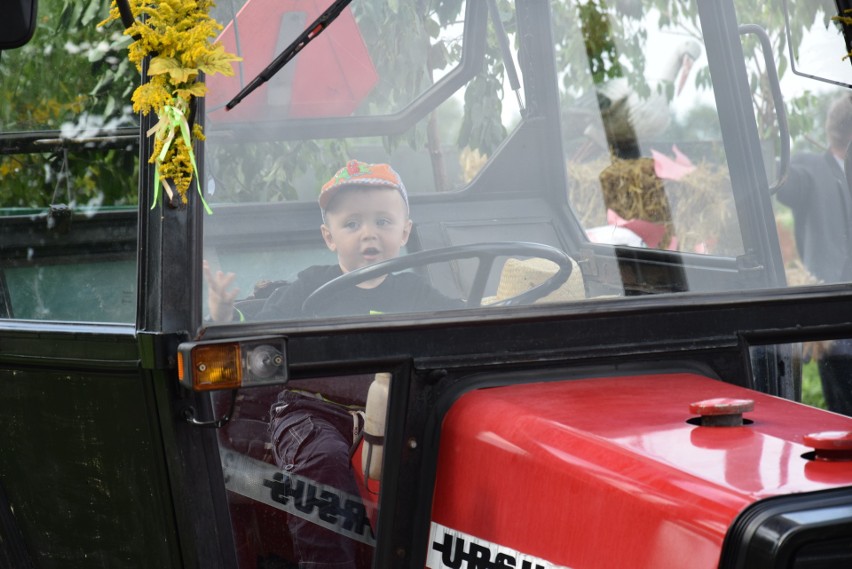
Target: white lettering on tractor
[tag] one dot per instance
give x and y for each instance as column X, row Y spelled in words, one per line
column 452, row 549
column 318, row 503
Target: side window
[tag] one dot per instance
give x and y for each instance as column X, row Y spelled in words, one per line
column 68, row 170
column 810, row 191
column 823, row 367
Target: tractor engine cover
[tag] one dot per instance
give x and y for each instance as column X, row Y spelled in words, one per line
column 615, row 472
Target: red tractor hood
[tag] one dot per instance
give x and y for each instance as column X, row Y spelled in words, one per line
column 607, row 472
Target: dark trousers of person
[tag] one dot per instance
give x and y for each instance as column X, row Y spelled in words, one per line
column 835, row 373
column 312, row 438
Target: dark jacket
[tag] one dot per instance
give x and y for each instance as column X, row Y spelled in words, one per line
column 399, row 292
column 817, row 192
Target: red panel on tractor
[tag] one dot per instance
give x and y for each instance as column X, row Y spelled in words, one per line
column 617, row 472
column 331, row 76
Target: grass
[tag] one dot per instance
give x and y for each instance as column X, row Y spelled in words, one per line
column 811, row 386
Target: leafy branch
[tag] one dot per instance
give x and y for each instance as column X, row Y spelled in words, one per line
column 176, row 37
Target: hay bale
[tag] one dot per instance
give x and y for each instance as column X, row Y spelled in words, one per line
column 697, row 211
column 633, row 191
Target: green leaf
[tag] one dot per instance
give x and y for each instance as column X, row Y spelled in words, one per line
column 160, row 65
column 194, row 90
column 218, row 61
column 110, row 106
column 438, row 56
column 433, row 27
column 92, row 12
column 67, row 15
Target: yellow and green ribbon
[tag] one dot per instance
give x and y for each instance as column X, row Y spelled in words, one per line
column 172, row 120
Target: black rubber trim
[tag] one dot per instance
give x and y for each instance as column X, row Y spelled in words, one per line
column 769, row 533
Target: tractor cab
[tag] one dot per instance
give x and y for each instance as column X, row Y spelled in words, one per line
column 452, row 284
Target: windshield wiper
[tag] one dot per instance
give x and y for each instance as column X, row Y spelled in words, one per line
column 311, row 32
column 508, row 62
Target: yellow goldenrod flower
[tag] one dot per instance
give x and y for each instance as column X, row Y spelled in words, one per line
column 176, row 36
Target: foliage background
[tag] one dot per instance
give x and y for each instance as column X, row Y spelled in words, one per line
column 72, row 80
column 610, row 45
column 75, row 79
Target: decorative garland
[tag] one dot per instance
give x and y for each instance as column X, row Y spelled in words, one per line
column 177, row 36
column 846, row 21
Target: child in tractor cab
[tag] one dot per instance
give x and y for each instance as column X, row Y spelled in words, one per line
column 365, row 220
column 313, row 428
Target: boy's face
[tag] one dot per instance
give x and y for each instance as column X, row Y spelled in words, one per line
column 365, row 226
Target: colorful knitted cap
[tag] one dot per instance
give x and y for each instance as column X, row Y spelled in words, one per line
column 360, row 174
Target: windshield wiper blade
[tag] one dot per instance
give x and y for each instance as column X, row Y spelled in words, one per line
column 311, row 32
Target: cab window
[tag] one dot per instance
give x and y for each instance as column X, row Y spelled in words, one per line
column 69, row 171
column 471, row 126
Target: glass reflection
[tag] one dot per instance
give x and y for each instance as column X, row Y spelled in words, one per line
column 302, row 467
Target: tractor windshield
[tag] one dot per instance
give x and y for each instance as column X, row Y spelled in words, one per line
column 613, row 136
column 428, row 139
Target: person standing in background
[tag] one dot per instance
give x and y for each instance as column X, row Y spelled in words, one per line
column 817, row 192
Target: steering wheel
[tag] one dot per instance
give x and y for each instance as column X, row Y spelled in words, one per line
column 486, row 253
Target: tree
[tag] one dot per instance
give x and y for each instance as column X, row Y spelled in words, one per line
column 71, row 81
column 431, row 45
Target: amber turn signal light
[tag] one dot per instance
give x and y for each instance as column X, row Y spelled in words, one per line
column 206, row 366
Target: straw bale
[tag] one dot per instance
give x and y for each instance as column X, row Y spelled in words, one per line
column 697, row 210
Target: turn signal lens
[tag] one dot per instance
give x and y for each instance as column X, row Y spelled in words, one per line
column 209, row 365
column 216, row 366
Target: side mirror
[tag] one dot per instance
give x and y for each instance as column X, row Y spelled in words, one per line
column 17, row 23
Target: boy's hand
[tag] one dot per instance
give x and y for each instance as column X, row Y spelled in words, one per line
column 220, row 300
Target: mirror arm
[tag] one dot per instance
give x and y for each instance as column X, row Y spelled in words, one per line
column 506, row 52
column 126, row 12
column 777, row 102
column 189, row 415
